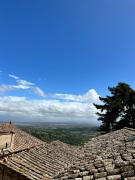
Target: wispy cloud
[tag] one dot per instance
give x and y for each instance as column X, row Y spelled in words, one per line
column 13, row 76
column 22, row 85
column 38, row 91
column 4, row 88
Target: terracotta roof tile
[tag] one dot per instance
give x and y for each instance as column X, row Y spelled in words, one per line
column 22, row 140
column 107, row 157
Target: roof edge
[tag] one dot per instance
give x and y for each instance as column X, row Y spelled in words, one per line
column 132, row 129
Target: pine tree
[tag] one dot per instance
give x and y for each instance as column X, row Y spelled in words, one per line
column 118, row 109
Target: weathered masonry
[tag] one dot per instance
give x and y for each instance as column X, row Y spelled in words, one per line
column 106, row 157
column 6, row 140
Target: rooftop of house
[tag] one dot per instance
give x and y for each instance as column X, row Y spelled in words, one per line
column 106, row 157
column 22, row 140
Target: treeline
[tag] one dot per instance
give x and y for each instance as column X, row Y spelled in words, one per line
column 117, row 110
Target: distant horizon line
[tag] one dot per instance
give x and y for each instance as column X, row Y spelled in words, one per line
column 55, row 122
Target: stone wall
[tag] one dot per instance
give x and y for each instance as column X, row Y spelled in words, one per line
column 5, row 138
column 9, row 174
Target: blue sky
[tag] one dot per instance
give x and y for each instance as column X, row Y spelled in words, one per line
column 66, row 46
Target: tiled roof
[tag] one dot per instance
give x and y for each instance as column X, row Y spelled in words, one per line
column 22, row 140
column 107, row 157
column 43, row 161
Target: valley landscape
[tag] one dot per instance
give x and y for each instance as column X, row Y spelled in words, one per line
column 67, row 90
column 71, row 133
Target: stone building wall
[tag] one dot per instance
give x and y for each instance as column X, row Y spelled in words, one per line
column 9, row 174
column 5, row 138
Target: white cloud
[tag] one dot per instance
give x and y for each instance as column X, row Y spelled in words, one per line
column 39, row 91
column 24, row 82
column 22, row 85
column 19, row 108
column 13, row 76
column 54, row 107
column 90, row 96
column 4, row 88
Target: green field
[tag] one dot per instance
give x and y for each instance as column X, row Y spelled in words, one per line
column 70, row 134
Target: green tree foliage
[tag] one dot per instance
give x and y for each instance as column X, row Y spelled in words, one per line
column 118, row 109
